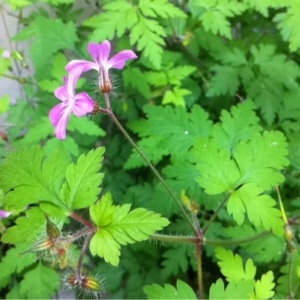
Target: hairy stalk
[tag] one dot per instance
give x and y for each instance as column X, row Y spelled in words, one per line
column 174, row 238
column 80, row 219
column 237, row 241
column 148, row 162
column 83, row 232
column 213, row 217
column 82, row 253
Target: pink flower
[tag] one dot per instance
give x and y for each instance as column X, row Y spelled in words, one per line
column 102, row 64
column 6, row 54
column 4, row 214
column 80, row 104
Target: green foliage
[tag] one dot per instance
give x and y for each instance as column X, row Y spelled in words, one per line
column 82, row 180
column 117, row 226
column 45, row 32
column 241, row 279
column 213, row 14
column 40, row 282
column 144, row 29
column 182, row 291
column 212, row 100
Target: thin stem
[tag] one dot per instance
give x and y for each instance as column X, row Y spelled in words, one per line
column 213, row 217
column 199, row 269
column 237, row 241
column 82, row 253
column 80, row 219
column 174, row 238
column 148, row 162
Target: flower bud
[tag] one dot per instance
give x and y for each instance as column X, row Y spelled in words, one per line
column 91, row 283
column 41, row 246
column 52, row 230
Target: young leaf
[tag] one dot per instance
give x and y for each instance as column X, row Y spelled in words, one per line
column 264, row 287
column 117, row 226
column 83, row 179
column 259, row 208
column 232, row 266
column 234, row 290
column 182, row 291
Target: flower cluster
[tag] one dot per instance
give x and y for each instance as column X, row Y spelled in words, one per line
column 82, row 104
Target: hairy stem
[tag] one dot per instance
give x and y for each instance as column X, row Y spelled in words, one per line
column 83, row 232
column 82, row 253
column 174, row 238
column 213, row 217
column 80, row 219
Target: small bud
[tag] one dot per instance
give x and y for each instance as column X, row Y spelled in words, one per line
column 91, row 283
column 52, row 230
column 105, row 84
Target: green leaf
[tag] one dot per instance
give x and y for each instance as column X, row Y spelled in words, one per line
column 40, row 283
column 28, row 176
column 176, row 96
column 134, row 77
column 83, row 179
column 85, row 126
column 268, row 86
column 13, row 262
column 182, row 291
column 175, row 260
column 234, row 290
column 225, row 81
column 288, row 22
column 162, row 8
column 149, row 34
column 27, row 228
column 216, row 13
column 264, row 287
column 232, row 266
column 168, row 130
column 117, row 226
column 260, row 159
column 37, row 132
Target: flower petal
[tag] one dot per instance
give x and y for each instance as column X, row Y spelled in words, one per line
column 61, row 126
column 83, row 104
column 56, row 112
column 61, row 93
column 118, row 60
column 81, row 66
column 99, row 53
